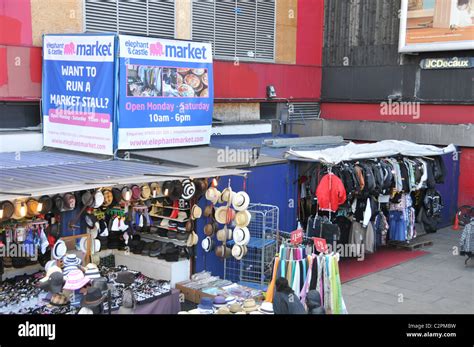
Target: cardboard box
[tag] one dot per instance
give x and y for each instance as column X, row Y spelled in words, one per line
column 189, row 293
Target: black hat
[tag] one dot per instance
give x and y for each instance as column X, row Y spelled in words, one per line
column 47, row 204
column 56, row 282
column 117, row 193
column 125, row 277
column 92, row 298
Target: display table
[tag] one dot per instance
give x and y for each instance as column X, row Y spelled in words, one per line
column 173, row 272
column 169, row 304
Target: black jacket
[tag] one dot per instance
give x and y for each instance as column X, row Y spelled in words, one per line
column 287, row 304
column 313, row 301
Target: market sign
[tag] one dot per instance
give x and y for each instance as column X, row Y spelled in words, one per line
column 427, row 26
column 447, row 63
column 296, row 237
column 78, row 92
column 165, row 93
column 320, row 245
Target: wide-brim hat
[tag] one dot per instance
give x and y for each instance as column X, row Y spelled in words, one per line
column 92, row 298
column 98, row 199
column 76, row 280
column 32, row 208
column 136, row 192
column 224, row 234
column 196, row 212
column 201, row 187
column 266, row 308
column 8, row 209
column 126, row 193
column 227, row 195
column 92, row 271
column 87, row 198
column 19, row 210
column 145, row 191
column 213, row 195
column 108, row 197
column 193, row 239
column 189, row 189
column 71, row 259
column 238, row 252
column 50, row 264
column 47, row 204
column 155, row 190
column 222, row 251
column 207, row 244
column 59, row 250
column 176, row 190
column 235, row 307
column 69, row 201
column 210, row 228
column 224, row 215
column 241, row 236
column 250, row 305
column 223, row 310
column 240, row 201
column 242, row 218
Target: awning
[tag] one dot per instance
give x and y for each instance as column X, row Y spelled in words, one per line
column 354, row 151
column 63, row 172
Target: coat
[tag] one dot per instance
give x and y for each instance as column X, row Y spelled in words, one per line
column 313, row 301
column 330, row 193
column 287, row 304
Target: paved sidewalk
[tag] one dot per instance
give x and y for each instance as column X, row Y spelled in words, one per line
column 438, row 283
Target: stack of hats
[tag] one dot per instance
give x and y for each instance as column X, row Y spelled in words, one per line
column 71, row 262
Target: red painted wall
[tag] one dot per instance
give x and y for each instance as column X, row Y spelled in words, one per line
column 466, row 181
column 15, row 23
column 249, row 80
column 436, row 114
column 309, row 35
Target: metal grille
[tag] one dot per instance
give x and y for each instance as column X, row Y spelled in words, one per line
column 134, row 17
column 301, row 111
column 255, row 269
column 237, row 29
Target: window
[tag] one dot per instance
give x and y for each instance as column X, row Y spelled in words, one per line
column 133, row 17
column 237, row 28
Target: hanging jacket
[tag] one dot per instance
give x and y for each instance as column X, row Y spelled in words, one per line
column 467, row 240
column 439, row 169
column 430, row 180
column 369, row 179
column 330, row 193
column 360, row 177
column 432, row 203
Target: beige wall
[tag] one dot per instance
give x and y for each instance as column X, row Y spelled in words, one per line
column 54, row 16
column 183, row 13
column 286, row 26
column 237, row 112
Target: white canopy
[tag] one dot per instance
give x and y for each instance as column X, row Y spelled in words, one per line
column 384, row 148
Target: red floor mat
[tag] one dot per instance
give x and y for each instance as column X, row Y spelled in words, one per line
column 384, row 258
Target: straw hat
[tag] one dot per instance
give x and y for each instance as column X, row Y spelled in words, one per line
column 224, row 215
column 196, row 212
column 240, row 201
column 207, row 244
column 227, row 195
column 213, row 195
column 108, row 197
column 238, row 252
column 59, row 249
column 235, row 308
column 266, row 308
column 210, row 228
column 155, row 189
column 223, row 251
column 208, row 211
column 32, row 208
column 193, row 239
column 224, row 234
column 242, row 218
column 145, row 192
column 47, row 204
column 223, row 310
column 250, row 305
column 241, row 236
column 20, row 210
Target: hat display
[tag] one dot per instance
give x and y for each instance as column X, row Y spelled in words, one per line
column 59, row 249
column 46, row 204
column 92, row 298
column 250, row 305
column 99, row 199
column 266, row 308
column 227, row 195
column 32, row 208
column 59, row 299
column 207, row 244
column 210, row 228
column 69, row 201
column 108, row 197
column 145, row 191
column 240, row 201
column 242, row 218
column 92, row 271
column 196, row 212
column 223, row 251
column 224, row 234
column 76, row 280
column 8, row 209
column 155, row 189
column 238, row 252
column 241, row 236
column 87, row 198
column 209, row 211
column 235, row 307
column 188, row 189
column 213, row 195
column 206, row 306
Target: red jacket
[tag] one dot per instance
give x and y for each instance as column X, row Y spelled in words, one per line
column 330, row 193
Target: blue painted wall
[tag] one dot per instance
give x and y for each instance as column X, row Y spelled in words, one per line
column 449, row 189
